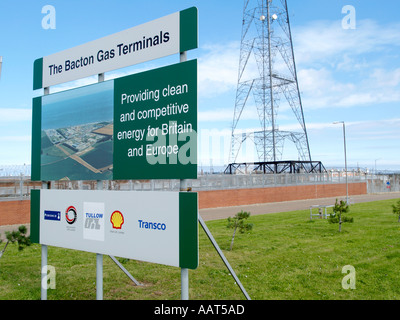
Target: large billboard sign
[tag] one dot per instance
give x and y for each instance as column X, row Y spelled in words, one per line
column 142, row 126
column 164, row 231
column 155, row 39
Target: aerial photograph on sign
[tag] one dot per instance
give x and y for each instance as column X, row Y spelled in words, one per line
column 77, row 131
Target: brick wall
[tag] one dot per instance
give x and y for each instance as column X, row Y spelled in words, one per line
column 237, row 197
column 18, row 212
column 15, row 212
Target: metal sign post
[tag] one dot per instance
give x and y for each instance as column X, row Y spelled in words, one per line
column 99, row 257
column 43, row 291
column 183, row 187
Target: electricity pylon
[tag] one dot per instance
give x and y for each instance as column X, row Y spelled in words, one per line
column 267, row 75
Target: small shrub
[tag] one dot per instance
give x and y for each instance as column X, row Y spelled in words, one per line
column 19, row 237
column 337, row 216
column 334, row 218
column 396, row 209
column 238, row 222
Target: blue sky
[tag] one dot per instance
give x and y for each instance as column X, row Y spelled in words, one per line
column 350, row 75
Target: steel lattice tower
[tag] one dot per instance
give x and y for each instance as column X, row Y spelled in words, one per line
column 267, row 41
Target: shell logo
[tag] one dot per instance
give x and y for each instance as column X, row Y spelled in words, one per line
column 117, row 219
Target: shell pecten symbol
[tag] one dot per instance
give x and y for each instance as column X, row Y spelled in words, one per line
column 117, row 219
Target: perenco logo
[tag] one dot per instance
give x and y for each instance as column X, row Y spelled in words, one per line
column 117, row 219
column 52, row 215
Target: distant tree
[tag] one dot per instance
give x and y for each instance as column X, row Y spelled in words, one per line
column 396, row 209
column 4, row 249
column 17, row 236
column 337, row 217
column 238, row 222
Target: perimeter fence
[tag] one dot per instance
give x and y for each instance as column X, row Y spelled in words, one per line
column 20, row 187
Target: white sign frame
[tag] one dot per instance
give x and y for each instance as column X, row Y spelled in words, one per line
column 154, row 225
column 165, row 36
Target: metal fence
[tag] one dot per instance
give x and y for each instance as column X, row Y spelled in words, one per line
column 20, row 187
column 383, row 183
column 17, row 187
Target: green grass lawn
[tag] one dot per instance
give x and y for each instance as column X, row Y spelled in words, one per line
column 286, row 256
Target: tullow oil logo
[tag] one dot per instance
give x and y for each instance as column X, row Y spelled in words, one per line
column 93, row 221
column 117, row 219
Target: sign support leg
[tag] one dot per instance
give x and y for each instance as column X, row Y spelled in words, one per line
column 124, row 270
column 184, row 272
column 99, row 257
column 99, row 276
column 43, row 287
column 184, row 284
column 43, row 290
column 183, row 187
column 210, row 236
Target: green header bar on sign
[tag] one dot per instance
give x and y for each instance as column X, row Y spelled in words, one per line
column 38, row 73
column 165, row 36
column 36, row 138
column 188, row 29
column 35, row 216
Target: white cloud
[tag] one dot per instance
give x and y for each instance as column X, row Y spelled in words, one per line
column 15, row 115
column 386, row 78
column 15, row 138
column 347, row 68
column 322, row 41
column 226, row 114
column 336, row 67
column 218, row 69
column 320, row 89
